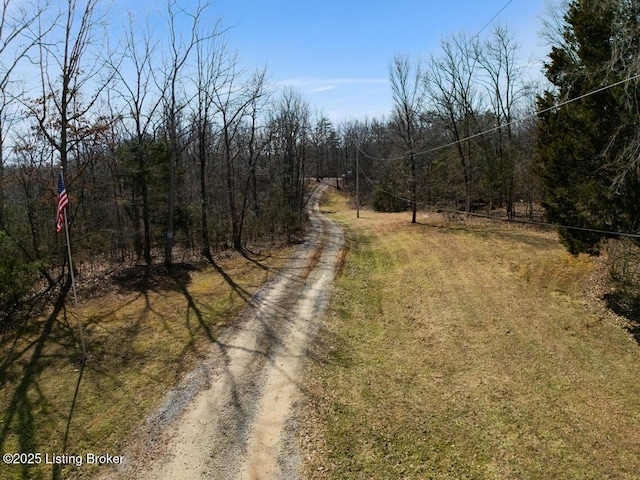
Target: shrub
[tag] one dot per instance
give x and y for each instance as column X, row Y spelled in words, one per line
column 384, row 202
column 17, row 279
column 623, row 262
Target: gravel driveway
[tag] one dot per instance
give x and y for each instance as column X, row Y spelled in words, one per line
column 234, row 416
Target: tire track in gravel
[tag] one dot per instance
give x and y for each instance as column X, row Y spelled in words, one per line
column 234, row 416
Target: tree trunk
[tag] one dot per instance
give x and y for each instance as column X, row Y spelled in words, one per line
column 144, row 191
column 168, row 246
column 204, row 203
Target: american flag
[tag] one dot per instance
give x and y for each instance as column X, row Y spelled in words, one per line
column 63, row 201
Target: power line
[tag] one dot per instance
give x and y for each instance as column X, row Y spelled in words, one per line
column 533, row 115
column 496, row 128
column 472, row 38
column 491, row 21
column 558, row 105
column 513, row 122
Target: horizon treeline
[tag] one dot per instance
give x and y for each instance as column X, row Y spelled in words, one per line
column 171, row 150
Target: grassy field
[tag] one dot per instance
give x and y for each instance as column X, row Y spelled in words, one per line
column 467, row 350
column 141, row 338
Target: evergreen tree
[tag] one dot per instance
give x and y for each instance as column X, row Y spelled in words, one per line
column 582, row 147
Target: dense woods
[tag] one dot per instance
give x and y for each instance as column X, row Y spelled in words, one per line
column 169, row 149
column 172, row 150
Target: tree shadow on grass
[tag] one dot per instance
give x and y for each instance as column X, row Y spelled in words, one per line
column 242, row 292
column 19, row 415
column 181, row 280
column 181, row 283
column 156, row 278
column 27, row 354
column 145, row 279
column 176, row 278
column 249, row 255
column 626, row 305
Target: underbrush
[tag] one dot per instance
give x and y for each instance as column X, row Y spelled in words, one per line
column 619, row 278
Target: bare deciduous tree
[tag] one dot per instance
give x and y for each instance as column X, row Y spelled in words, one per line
column 451, row 83
column 407, row 85
column 174, row 101
column 70, row 80
column 17, row 38
column 257, row 96
column 291, row 125
column 506, row 88
column 235, row 100
column 212, row 62
column 133, row 70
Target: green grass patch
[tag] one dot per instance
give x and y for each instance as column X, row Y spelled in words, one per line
column 142, row 337
column 467, row 351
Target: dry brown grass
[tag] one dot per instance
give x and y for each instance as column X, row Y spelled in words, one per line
column 142, row 337
column 468, row 350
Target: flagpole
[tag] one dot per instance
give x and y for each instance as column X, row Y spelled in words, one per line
column 73, row 282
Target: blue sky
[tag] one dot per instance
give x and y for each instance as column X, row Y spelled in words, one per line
column 337, row 52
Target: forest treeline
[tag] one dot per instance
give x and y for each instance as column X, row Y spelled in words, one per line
column 170, row 148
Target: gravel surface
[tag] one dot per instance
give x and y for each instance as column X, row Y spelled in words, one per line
column 234, row 416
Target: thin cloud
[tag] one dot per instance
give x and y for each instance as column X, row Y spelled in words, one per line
column 322, row 89
column 322, row 84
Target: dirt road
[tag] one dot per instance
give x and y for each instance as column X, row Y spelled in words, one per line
column 234, row 416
